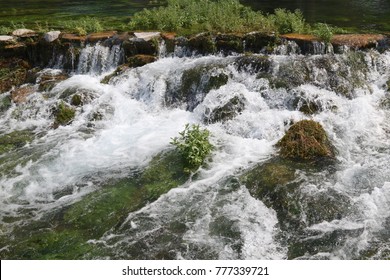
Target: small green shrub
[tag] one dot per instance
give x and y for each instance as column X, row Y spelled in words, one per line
column 194, row 145
column 83, row 25
column 323, row 32
column 5, row 30
column 190, row 16
column 288, row 22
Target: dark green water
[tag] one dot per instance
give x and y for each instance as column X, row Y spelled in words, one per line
column 359, row 14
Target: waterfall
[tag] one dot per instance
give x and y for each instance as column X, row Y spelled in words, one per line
column 81, row 185
column 97, row 59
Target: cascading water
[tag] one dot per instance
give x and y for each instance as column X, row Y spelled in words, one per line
column 60, row 188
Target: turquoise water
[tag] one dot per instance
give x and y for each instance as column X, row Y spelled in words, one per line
column 359, row 14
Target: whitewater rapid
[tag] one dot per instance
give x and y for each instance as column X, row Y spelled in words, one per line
column 60, row 166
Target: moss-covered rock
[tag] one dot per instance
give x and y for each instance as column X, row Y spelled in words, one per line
column 14, row 140
column 306, row 106
column 257, row 41
column 195, row 84
column 226, row 112
column 5, row 103
column 13, row 73
column 229, row 44
column 64, row 114
column 273, row 183
column 100, row 211
column 140, row 60
column 203, row 44
column 64, row 233
column 253, row 63
column 118, row 71
column 76, row 100
column 306, row 140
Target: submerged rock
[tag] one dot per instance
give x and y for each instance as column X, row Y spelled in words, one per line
column 195, row 84
column 19, row 95
column 14, row 140
column 64, row 115
column 306, row 140
column 253, row 63
column 225, row 112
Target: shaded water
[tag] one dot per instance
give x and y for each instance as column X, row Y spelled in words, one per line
column 357, row 14
column 89, row 189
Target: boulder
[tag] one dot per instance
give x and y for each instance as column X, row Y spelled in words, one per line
column 51, row 36
column 306, row 140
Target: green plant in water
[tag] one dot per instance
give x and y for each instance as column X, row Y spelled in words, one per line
column 194, row 145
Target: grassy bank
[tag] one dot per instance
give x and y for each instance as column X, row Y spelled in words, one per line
column 187, row 17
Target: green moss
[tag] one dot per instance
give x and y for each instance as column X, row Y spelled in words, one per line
column 64, row 234
column 306, row 140
column 64, row 114
column 273, row 183
column 14, row 140
column 108, row 207
column 76, row 100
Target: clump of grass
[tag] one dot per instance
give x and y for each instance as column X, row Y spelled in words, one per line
column 5, row 30
column 306, row 140
column 83, row 26
column 285, row 21
column 64, row 114
column 323, row 31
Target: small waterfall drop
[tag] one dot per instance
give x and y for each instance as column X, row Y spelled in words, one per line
column 98, row 59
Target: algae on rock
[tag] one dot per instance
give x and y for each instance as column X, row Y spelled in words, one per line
column 64, row 114
column 306, row 140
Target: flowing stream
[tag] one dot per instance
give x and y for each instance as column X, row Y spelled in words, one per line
column 59, row 190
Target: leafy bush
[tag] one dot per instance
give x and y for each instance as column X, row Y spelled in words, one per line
column 194, row 145
column 323, row 32
column 288, row 22
column 83, row 26
column 203, row 15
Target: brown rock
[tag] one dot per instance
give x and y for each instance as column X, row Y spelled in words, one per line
column 357, row 40
column 20, row 95
column 72, row 38
column 100, row 36
column 141, row 60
